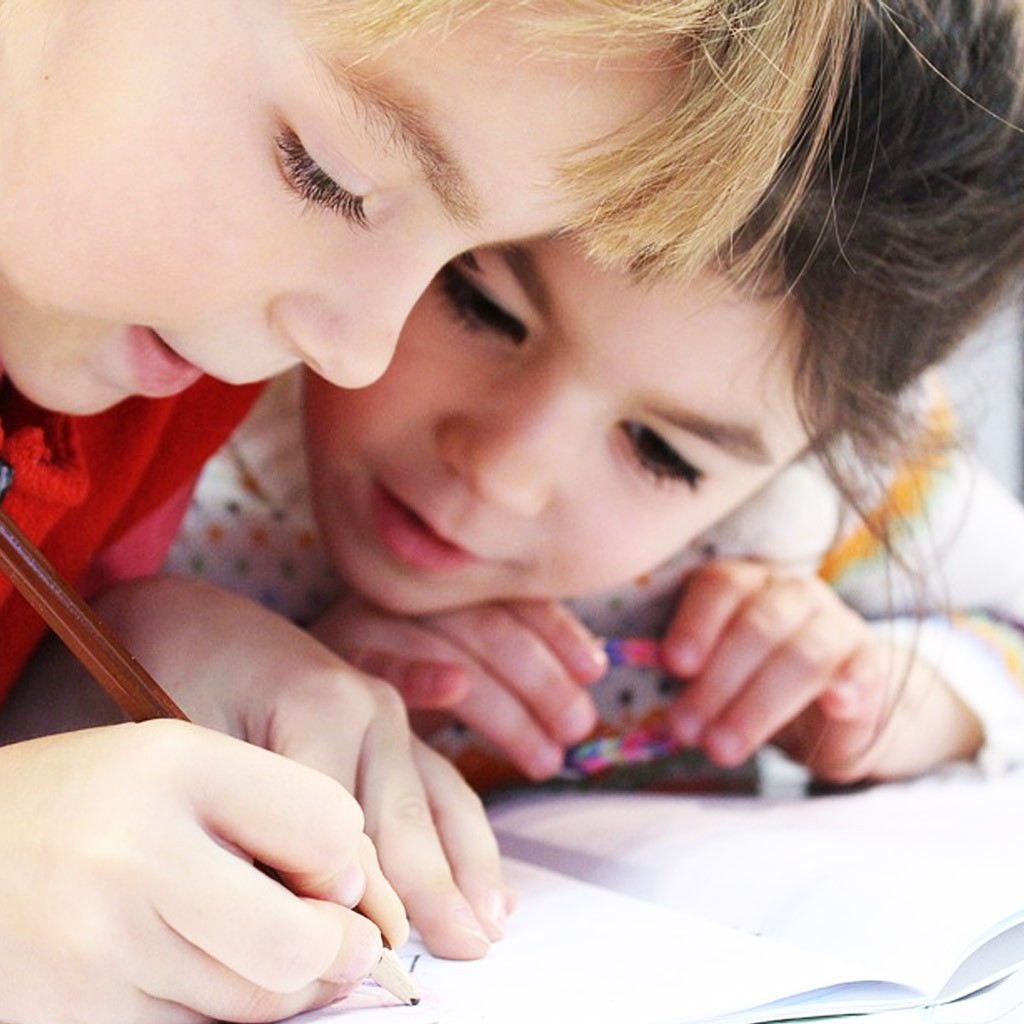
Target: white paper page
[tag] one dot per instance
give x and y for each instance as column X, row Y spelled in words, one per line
column 897, row 879
column 1002, row 1003
column 575, row 953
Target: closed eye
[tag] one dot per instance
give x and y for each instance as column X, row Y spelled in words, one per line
column 658, row 458
column 312, row 184
column 477, row 310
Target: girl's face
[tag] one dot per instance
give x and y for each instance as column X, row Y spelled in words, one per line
column 191, row 186
column 549, row 429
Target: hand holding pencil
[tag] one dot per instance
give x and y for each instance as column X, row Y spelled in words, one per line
column 125, row 892
column 229, row 937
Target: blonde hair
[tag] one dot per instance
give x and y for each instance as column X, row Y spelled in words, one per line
column 667, row 196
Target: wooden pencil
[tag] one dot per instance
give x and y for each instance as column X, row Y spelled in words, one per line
column 88, row 637
column 112, row 665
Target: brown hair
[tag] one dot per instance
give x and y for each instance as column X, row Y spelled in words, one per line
column 914, row 227
column 667, row 194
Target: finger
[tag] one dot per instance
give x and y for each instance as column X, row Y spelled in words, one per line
column 766, row 621
column 791, row 678
column 418, row 662
column 524, row 663
column 361, row 941
column 338, row 732
column 838, row 747
column 711, row 598
column 184, row 975
column 854, row 737
column 469, row 841
column 310, row 832
column 575, row 646
column 244, row 919
column 378, row 902
column 862, row 686
column 400, row 819
column 423, row 684
column 284, row 814
column 500, row 718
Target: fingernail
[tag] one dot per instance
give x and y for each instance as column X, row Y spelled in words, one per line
column 546, row 762
column 495, row 914
column 357, row 957
column 846, row 694
column 588, row 663
column 687, row 728
column 350, row 885
column 465, row 918
column 724, row 747
column 682, row 656
column 577, row 720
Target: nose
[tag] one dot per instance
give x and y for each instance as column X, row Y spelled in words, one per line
column 346, row 330
column 510, row 451
column 345, row 349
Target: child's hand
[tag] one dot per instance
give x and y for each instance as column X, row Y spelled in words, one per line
column 242, row 669
column 129, row 894
column 925, row 724
column 512, row 672
column 773, row 657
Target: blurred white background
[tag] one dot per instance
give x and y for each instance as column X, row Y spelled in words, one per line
column 986, row 380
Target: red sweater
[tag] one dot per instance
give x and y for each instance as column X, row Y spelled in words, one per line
column 81, row 481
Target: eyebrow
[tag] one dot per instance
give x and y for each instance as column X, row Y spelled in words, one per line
column 408, row 125
column 737, row 439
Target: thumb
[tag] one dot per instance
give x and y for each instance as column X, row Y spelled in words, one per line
column 359, row 944
column 423, row 684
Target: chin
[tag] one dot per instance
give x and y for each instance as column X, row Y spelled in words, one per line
column 378, row 586
column 76, row 402
column 408, row 597
column 406, row 601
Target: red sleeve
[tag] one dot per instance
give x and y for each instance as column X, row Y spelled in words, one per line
column 82, row 483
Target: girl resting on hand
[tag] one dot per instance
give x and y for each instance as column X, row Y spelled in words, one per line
column 200, row 195
column 762, row 455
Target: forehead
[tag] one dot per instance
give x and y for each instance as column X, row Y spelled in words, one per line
column 491, row 92
column 698, row 343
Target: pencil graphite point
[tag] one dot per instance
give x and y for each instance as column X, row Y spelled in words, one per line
column 394, row 978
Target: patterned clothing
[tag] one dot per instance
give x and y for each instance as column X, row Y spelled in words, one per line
column 957, row 600
column 250, row 526
column 87, row 486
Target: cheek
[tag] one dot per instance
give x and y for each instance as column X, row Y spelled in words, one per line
column 614, row 541
column 607, row 544
column 346, row 428
column 332, row 430
column 120, row 260
column 395, row 411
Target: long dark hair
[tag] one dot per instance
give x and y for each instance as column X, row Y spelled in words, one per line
column 913, row 229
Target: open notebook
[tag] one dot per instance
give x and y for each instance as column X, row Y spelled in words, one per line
column 643, row 909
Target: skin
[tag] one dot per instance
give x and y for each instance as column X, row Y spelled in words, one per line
column 111, row 204
column 557, row 467
column 561, row 437
column 775, row 658
column 190, row 188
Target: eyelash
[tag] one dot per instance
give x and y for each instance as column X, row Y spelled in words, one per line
column 474, row 308
column 478, row 312
column 313, row 184
column 658, row 458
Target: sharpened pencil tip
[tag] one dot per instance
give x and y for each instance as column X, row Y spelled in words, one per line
column 394, row 978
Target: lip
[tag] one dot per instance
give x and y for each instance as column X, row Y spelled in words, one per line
column 158, row 370
column 412, row 540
